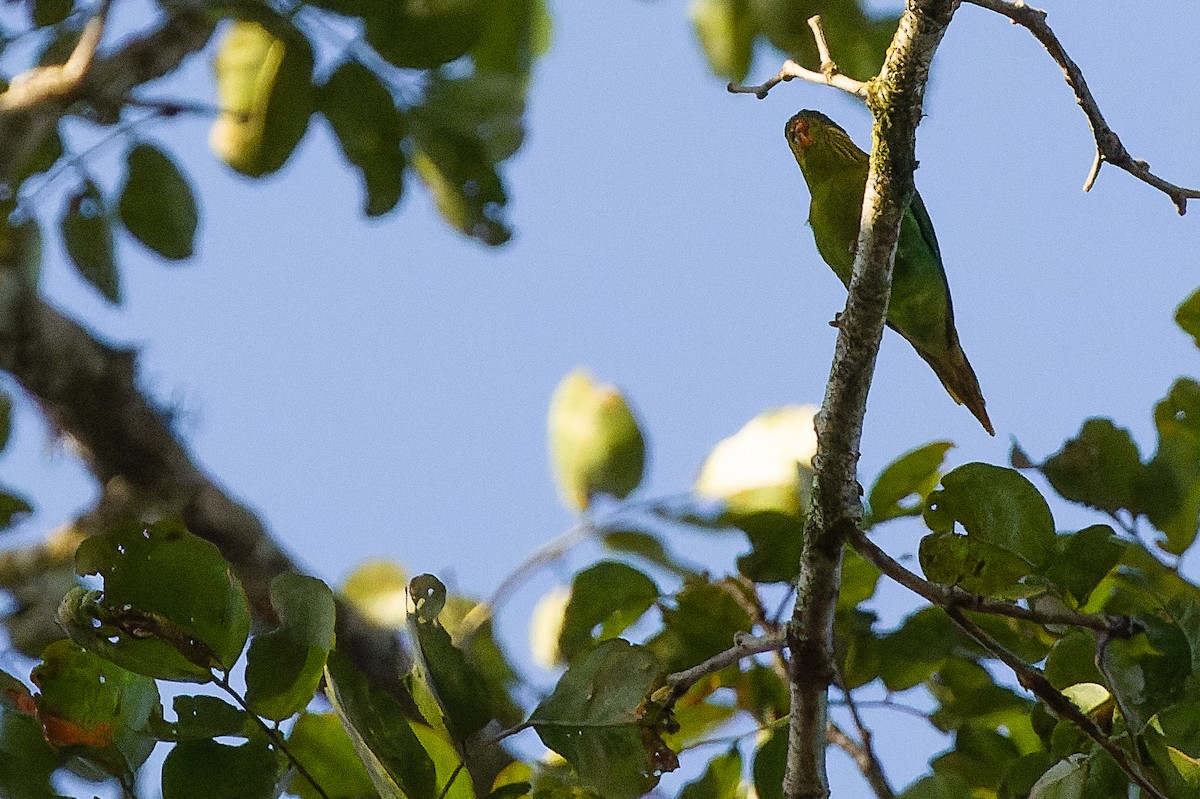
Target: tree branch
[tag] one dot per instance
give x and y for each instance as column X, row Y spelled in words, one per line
column 862, row 752
column 745, row 646
column 1108, row 145
column 88, row 390
column 1032, row 680
column 951, row 596
column 829, row 75
column 895, row 98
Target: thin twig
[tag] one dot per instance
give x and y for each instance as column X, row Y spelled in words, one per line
column 552, row 550
column 951, row 596
column 745, row 646
column 1108, row 145
column 864, row 755
column 829, row 75
column 1032, row 680
column 891, row 704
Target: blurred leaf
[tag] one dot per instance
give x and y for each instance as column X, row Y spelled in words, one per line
column 980, row 756
column 424, row 35
column 645, row 545
column 594, row 720
column 5, row 419
column 1187, row 316
column 1170, row 490
column 22, row 741
column 170, row 609
column 1066, row 779
column 726, row 30
column 379, row 590
column 1083, row 559
column 264, row 83
column 50, row 12
column 775, row 543
column 910, row 477
column 722, row 779
column 938, row 786
column 1173, row 741
column 596, row 445
column 515, row 34
column 369, row 128
column 205, row 769
column 545, row 626
column 761, row 692
column 770, row 762
column 857, row 40
column 765, row 466
column 967, row 695
column 453, row 780
column 461, row 692
column 319, row 741
column 918, row 647
column 157, row 205
column 857, row 648
column 284, row 666
column 20, row 242
column 94, row 708
column 208, row 717
column 398, row 764
column 12, row 509
column 609, row 596
column 1072, row 660
column 87, row 235
column 860, row 578
column 1148, row 671
column 1100, row 467
column 705, row 620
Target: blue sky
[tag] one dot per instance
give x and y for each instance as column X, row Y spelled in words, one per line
column 379, row 389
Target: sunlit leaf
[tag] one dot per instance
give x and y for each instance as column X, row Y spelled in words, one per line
column 726, row 30
column 1187, row 316
column 319, row 741
column 157, row 205
column 1170, row 490
column 285, row 665
column 1064, row 780
column 264, row 83
column 379, row 589
column 596, row 445
column 901, row 488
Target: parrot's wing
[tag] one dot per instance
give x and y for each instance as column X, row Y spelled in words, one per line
column 925, row 224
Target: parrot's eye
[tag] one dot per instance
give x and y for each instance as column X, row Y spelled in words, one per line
column 800, row 133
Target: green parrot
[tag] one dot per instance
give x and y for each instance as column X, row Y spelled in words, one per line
column 920, row 308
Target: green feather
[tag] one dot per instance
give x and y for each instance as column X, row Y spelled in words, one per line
column 920, row 308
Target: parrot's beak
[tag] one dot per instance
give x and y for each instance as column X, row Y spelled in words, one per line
column 799, row 134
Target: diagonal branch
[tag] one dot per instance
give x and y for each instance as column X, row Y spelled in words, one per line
column 895, row 98
column 1108, row 145
column 951, row 596
column 829, row 75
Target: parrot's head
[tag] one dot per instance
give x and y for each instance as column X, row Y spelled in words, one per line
column 817, row 139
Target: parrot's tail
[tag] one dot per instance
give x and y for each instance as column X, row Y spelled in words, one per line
column 956, row 374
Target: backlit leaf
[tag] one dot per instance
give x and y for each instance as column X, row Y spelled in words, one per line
column 157, row 205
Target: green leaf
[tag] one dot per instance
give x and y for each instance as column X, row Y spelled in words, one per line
column 1083, row 559
column 645, row 545
column 22, row 741
column 596, row 445
column 1066, row 779
column 726, row 30
column 705, row 620
column 369, row 128
column 910, row 477
column 319, row 741
column 1009, row 529
column 397, row 763
column 1187, row 316
column 917, row 648
column 12, row 509
column 1072, row 660
column 284, row 666
column 208, row 717
column 610, row 596
column 980, row 756
column 1100, row 467
column 264, row 84
column 51, row 12
column 516, row 33
column 776, row 540
column 1170, row 489
column 1149, row 671
column 594, row 720
column 968, row 696
column 157, row 206
column 722, row 779
column 5, row 419
column 461, row 692
column 20, row 243
column 87, row 235
column 95, row 708
column 424, row 35
column 857, row 40
column 857, row 648
column 205, row 769
column 938, row 786
column 170, row 609
column 770, row 762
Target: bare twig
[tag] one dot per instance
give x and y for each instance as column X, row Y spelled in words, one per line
column 863, row 753
column 1032, row 680
column 951, row 596
column 1108, row 145
column 745, row 646
column 829, row 75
